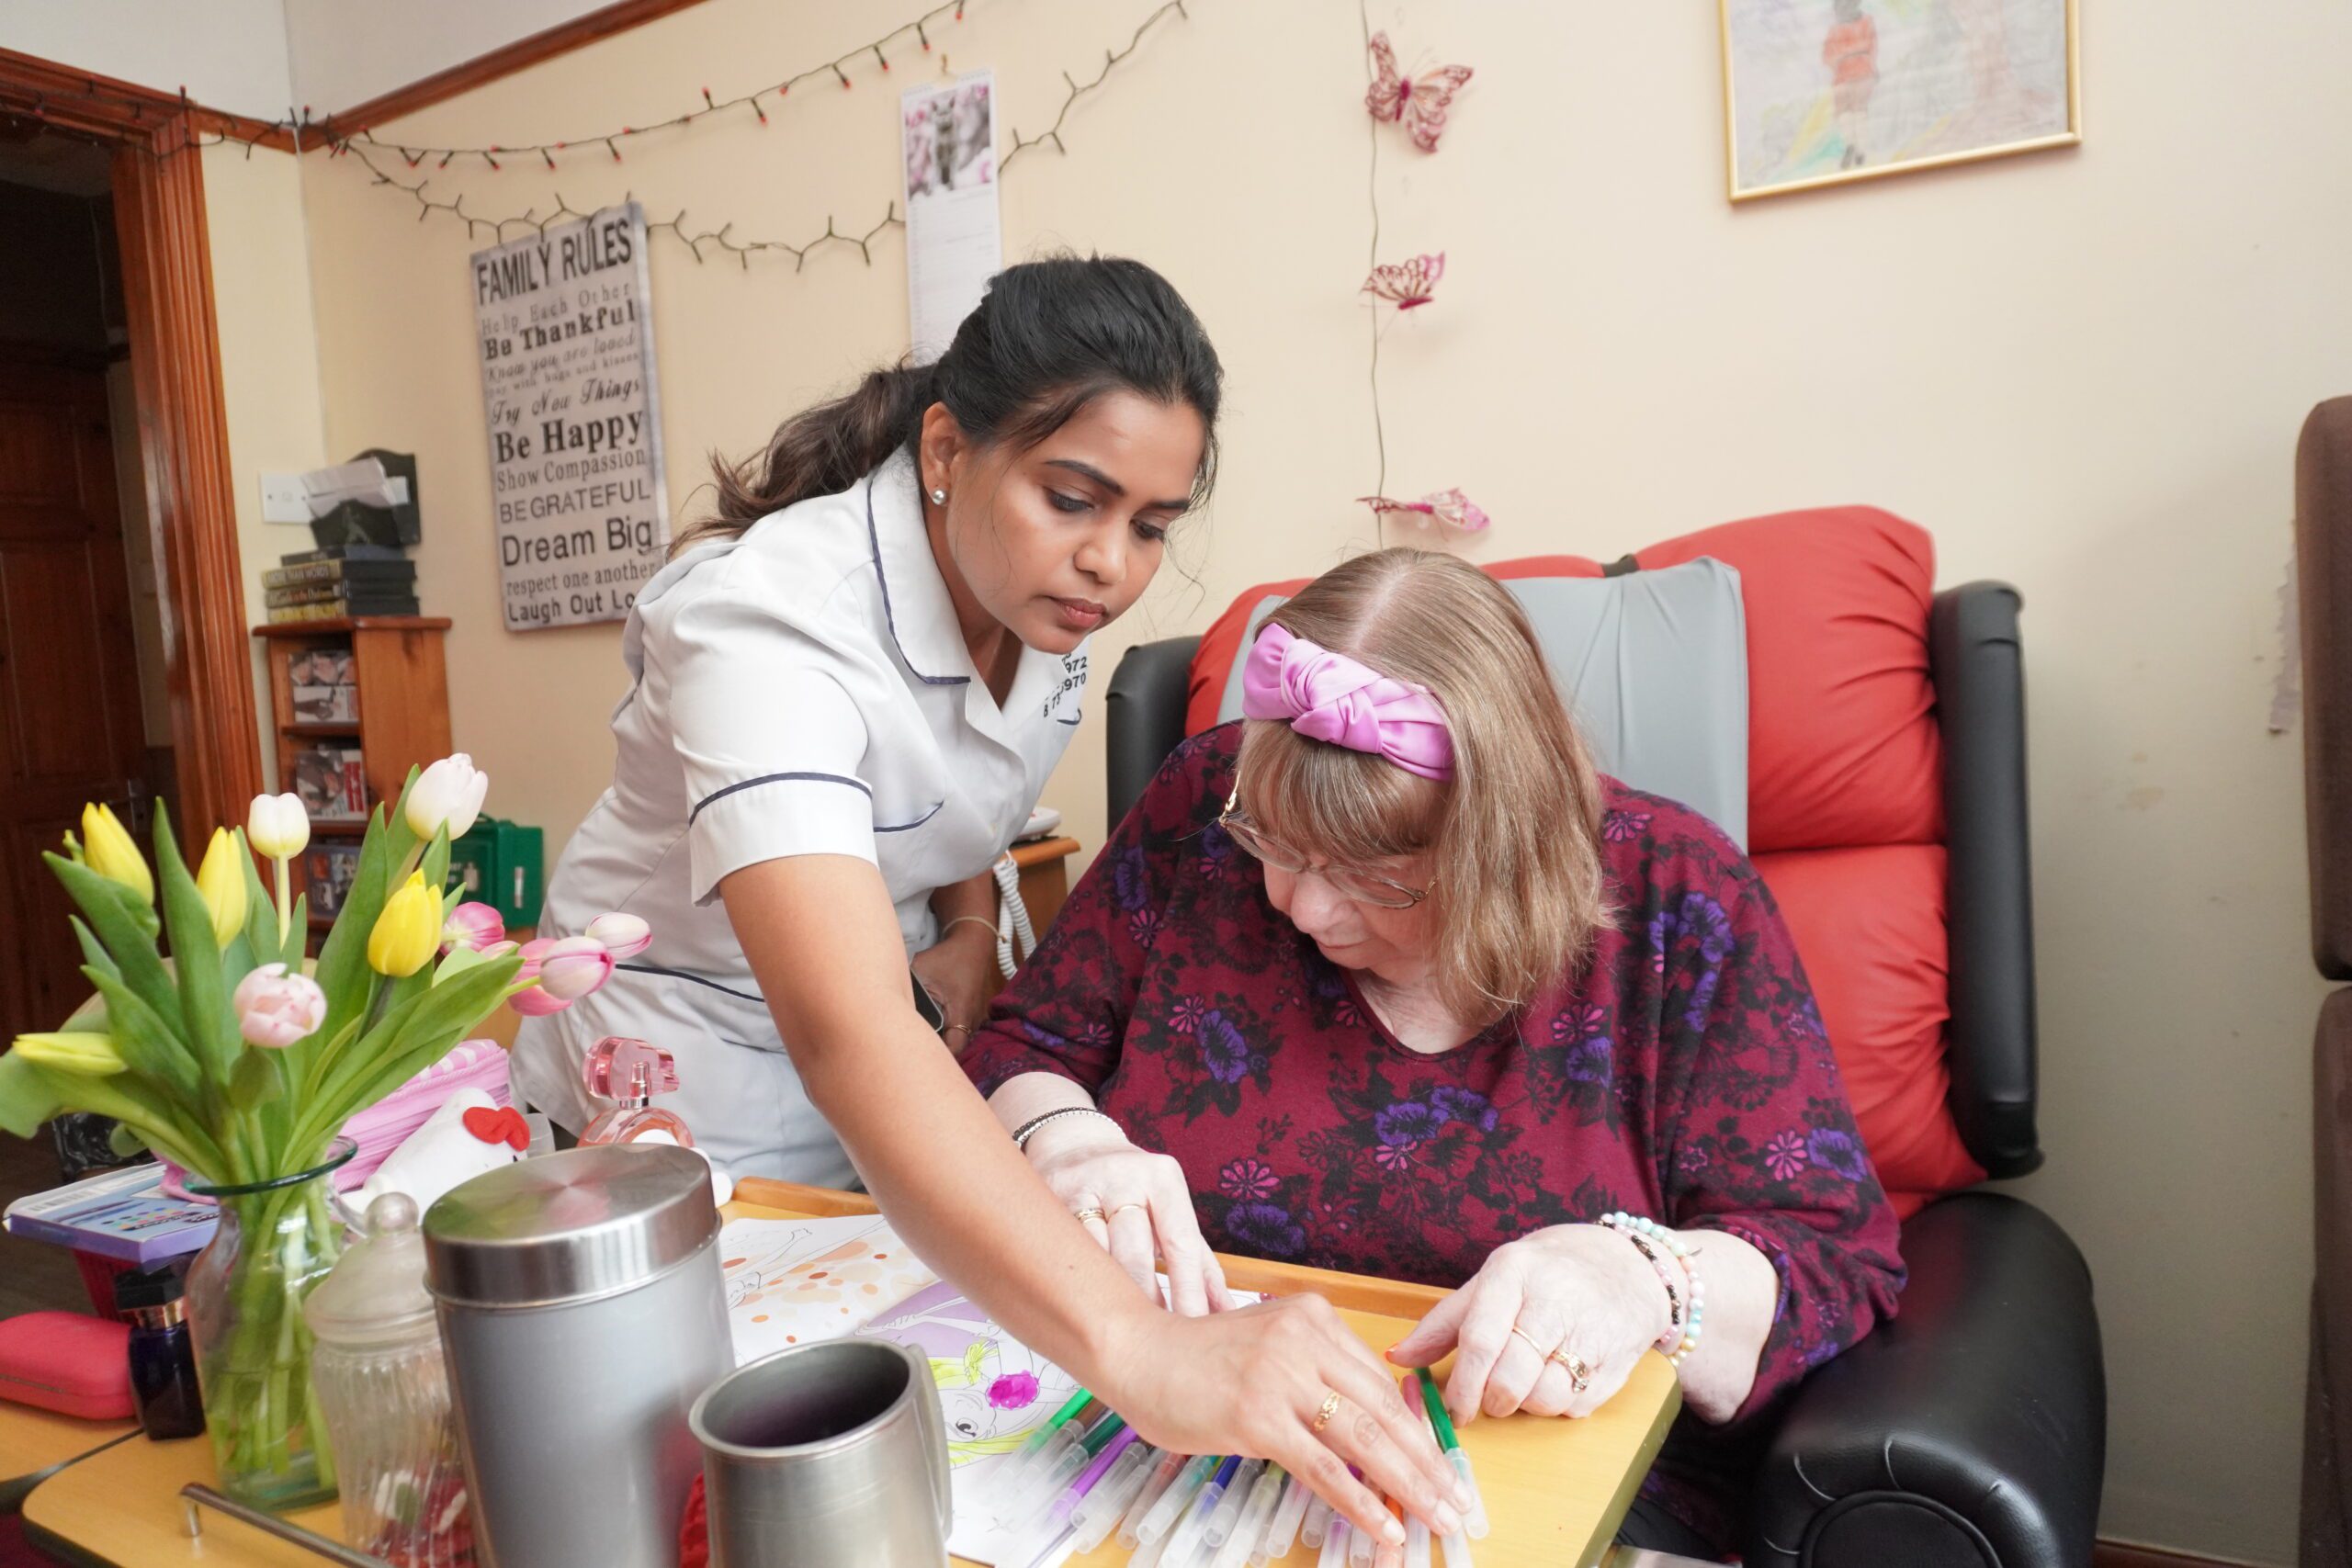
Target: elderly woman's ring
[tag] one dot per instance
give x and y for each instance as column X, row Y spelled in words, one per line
column 1579, row 1374
column 1530, row 1342
column 1330, row 1408
column 1123, row 1209
column 1088, row 1212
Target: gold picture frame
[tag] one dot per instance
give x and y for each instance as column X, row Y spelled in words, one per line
column 1938, row 82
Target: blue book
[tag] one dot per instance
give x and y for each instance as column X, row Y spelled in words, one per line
column 123, row 1214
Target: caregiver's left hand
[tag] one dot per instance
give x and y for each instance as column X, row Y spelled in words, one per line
column 956, row 970
column 1582, row 1290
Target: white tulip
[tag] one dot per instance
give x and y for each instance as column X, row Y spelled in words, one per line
column 278, row 827
column 449, row 792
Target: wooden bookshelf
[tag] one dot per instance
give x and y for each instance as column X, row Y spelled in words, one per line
column 398, row 665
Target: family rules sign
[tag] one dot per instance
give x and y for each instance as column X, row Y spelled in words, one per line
column 566, row 329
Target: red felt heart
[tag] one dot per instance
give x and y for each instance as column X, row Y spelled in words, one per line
column 499, row 1124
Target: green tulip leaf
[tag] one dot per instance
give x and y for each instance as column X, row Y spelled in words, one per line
column 131, row 943
column 124, row 1140
column 407, row 1040
column 94, row 952
column 257, row 1080
column 28, row 1098
column 205, row 1011
column 146, row 1039
column 343, row 973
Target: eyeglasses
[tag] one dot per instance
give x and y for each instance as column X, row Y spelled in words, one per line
column 1364, row 886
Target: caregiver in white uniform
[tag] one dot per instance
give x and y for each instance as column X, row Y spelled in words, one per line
column 848, row 688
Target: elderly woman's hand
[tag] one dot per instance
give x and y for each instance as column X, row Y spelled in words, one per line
column 1135, row 1204
column 1566, row 1301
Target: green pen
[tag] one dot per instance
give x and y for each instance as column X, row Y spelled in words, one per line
column 1061, row 1464
column 1044, row 1434
column 1474, row 1517
column 1107, row 1429
column 1438, row 1419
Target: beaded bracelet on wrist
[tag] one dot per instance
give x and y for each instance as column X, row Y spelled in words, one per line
column 1635, row 1225
column 1022, row 1134
column 1666, row 1277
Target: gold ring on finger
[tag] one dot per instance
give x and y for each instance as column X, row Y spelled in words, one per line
column 1088, row 1212
column 1530, row 1339
column 1124, row 1208
column 1330, row 1408
column 1579, row 1374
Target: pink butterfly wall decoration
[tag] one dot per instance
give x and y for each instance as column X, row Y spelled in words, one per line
column 1420, row 102
column 1406, row 284
column 1450, row 507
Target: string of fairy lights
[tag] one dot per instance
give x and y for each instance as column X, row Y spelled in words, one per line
column 387, row 159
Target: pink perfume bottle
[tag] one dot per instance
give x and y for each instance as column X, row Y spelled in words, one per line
column 630, row 1073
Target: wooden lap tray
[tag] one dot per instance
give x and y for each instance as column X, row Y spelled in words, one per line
column 1556, row 1490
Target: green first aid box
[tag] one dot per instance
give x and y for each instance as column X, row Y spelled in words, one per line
column 502, row 864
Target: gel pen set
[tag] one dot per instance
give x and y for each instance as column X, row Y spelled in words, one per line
column 1084, row 1477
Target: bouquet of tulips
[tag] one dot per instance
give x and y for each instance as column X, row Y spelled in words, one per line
column 238, row 1061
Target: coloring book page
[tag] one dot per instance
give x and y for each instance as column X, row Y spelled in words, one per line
column 789, row 1281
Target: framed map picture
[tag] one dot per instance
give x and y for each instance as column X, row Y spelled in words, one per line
column 1820, row 92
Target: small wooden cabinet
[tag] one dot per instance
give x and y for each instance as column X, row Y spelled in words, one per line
column 395, row 716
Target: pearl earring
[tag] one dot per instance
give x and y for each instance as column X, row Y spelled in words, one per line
column 939, row 497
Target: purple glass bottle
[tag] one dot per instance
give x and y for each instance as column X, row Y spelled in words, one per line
column 162, row 1357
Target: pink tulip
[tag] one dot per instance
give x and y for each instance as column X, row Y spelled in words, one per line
column 532, row 1001
column 566, row 968
column 574, row 966
column 477, row 926
column 277, row 1010
column 624, row 936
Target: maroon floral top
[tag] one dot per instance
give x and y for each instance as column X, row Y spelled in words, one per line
column 1686, row 1076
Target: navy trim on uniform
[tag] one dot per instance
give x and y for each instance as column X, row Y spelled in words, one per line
column 682, row 975
column 873, row 537
column 904, row 826
column 777, row 778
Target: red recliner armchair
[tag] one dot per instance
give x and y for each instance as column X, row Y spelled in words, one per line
column 1887, row 811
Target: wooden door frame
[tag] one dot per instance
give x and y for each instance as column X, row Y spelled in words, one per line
column 183, row 430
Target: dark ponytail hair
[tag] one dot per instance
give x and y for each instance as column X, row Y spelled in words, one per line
column 1048, row 338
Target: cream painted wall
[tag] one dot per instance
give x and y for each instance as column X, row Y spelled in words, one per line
column 270, row 355
column 2083, row 370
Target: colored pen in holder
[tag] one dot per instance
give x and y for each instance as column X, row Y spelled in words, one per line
column 1161, row 1523
column 1099, row 1514
column 1197, row 1517
column 1288, row 1517
column 1163, row 1476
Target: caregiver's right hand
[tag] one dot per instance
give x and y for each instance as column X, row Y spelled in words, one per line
column 1252, row 1382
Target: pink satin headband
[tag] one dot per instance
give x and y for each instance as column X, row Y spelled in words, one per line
column 1328, row 696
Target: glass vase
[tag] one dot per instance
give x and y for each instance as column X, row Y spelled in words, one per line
column 277, row 1238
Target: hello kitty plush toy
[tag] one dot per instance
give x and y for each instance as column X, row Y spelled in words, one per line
column 469, row 1133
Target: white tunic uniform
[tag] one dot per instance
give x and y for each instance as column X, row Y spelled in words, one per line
column 800, row 690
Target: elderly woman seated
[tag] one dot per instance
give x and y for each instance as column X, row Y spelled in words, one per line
column 1386, row 978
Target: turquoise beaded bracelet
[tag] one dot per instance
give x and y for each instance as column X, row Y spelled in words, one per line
column 1637, row 1225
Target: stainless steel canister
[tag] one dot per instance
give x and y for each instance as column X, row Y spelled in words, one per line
column 582, row 1311
column 826, row 1455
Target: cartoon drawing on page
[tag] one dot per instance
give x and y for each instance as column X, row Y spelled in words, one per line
column 793, row 1281
column 994, row 1392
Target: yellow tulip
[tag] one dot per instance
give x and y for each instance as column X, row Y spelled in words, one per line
column 222, row 880
column 408, row 933
column 84, row 1055
column 107, row 849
